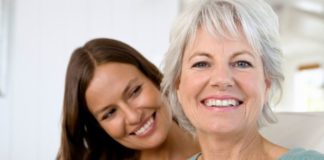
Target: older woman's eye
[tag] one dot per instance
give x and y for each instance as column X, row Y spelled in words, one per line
column 109, row 113
column 201, row 64
column 242, row 64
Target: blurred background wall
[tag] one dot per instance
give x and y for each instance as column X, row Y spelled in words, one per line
column 302, row 30
column 43, row 33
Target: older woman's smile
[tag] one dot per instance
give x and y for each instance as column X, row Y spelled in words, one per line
column 221, row 103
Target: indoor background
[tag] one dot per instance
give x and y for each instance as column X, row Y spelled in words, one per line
column 37, row 38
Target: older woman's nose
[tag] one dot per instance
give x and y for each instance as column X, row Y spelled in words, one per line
column 221, row 77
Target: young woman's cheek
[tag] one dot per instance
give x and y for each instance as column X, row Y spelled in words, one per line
column 115, row 126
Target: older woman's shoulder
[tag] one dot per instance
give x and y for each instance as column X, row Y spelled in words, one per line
column 195, row 157
column 302, row 154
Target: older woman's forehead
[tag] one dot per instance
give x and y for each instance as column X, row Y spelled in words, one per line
column 202, row 34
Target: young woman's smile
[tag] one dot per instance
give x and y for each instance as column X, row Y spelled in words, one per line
column 146, row 128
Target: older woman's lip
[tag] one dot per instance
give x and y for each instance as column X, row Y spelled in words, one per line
column 220, row 99
column 221, row 102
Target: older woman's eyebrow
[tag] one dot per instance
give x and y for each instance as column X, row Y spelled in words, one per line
column 196, row 54
column 237, row 53
column 244, row 52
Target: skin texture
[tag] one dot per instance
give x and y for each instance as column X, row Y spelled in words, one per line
column 126, row 106
column 227, row 70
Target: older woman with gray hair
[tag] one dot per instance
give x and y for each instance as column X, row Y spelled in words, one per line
column 221, row 71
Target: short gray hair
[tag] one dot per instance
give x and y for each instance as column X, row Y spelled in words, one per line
column 257, row 21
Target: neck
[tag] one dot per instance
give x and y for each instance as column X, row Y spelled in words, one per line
column 248, row 146
column 178, row 145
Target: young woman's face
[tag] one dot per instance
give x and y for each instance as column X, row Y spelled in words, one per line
column 222, row 86
column 128, row 106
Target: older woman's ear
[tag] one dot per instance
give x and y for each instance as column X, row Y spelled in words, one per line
column 268, row 84
column 177, row 83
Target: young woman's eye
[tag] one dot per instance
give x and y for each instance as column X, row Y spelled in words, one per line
column 109, row 113
column 136, row 91
column 201, row 64
column 242, row 64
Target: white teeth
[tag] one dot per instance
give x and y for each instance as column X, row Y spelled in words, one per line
column 145, row 127
column 221, row 103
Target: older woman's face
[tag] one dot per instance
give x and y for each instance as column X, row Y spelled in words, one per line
column 222, row 86
column 128, row 106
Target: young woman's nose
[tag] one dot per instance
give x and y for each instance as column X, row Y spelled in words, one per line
column 221, row 77
column 133, row 115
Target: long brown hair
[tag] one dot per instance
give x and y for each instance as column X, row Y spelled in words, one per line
column 82, row 138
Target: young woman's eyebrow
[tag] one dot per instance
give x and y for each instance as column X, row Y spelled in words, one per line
column 128, row 87
column 103, row 109
column 124, row 94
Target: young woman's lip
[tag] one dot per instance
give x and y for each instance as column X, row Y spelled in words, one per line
column 143, row 123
